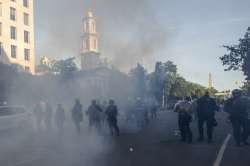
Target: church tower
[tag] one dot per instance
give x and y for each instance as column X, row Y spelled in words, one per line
column 90, row 56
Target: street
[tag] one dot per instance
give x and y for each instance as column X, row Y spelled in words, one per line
column 155, row 145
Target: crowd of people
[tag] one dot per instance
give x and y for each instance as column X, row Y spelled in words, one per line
column 204, row 109
column 98, row 115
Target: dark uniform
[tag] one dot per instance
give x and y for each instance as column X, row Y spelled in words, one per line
column 77, row 115
column 237, row 107
column 38, row 113
column 206, row 107
column 59, row 118
column 184, row 119
column 94, row 113
column 153, row 110
column 48, row 116
column 112, row 114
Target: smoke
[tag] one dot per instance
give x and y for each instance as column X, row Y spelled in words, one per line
column 129, row 31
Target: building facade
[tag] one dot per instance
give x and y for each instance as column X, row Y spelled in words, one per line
column 17, row 33
column 90, row 56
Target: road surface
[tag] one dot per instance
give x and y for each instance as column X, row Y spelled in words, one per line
column 155, row 145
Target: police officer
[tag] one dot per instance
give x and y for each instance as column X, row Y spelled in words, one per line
column 237, row 108
column 206, row 107
column 77, row 115
column 112, row 114
column 94, row 113
column 59, row 118
column 48, row 116
column 184, row 119
column 38, row 113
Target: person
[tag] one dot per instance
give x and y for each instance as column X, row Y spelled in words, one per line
column 59, row 118
column 38, row 114
column 77, row 115
column 206, row 107
column 112, row 114
column 48, row 116
column 103, row 115
column 194, row 106
column 184, row 109
column 153, row 110
column 140, row 113
column 237, row 107
column 94, row 113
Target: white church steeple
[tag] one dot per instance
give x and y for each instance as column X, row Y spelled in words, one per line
column 90, row 56
column 90, row 38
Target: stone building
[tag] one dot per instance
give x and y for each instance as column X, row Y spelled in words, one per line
column 17, row 33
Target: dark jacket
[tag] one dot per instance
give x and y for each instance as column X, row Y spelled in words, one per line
column 206, row 107
column 111, row 112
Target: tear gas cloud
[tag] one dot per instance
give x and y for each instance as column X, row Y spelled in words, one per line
column 129, row 31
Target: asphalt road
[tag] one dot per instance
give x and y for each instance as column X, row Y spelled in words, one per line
column 155, row 145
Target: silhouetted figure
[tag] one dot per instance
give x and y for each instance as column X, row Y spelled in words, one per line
column 103, row 115
column 59, row 118
column 94, row 114
column 237, row 107
column 140, row 113
column 77, row 115
column 153, row 110
column 38, row 113
column 48, row 113
column 184, row 109
column 112, row 114
column 206, row 107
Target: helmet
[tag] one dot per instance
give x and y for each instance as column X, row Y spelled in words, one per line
column 236, row 92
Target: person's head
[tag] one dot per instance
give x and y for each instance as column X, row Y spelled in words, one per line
column 206, row 94
column 187, row 98
column 111, row 102
column 236, row 93
column 77, row 101
column 93, row 102
column 104, row 102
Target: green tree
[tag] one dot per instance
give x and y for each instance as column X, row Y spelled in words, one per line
column 238, row 57
column 162, row 79
column 65, row 67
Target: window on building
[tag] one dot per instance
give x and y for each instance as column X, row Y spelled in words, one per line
column 1, row 48
column 93, row 27
column 1, row 29
column 12, row 13
column 95, row 44
column 26, row 18
column 26, row 37
column 1, row 6
column 26, row 3
column 13, row 32
column 27, row 68
column 13, row 51
column 26, row 54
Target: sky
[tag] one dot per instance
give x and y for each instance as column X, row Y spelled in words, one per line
column 190, row 33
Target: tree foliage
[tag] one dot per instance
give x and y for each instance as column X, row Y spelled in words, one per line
column 238, row 57
column 65, row 67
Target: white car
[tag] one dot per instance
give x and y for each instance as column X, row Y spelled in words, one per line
column 14, row 117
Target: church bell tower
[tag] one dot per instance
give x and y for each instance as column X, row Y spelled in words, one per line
column 90, row 56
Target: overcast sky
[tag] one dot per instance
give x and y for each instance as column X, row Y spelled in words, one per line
column 190, row 33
